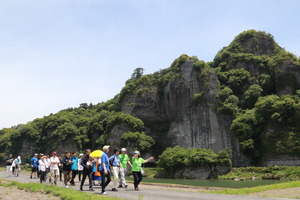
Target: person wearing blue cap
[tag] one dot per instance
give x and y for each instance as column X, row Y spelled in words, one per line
column 137, row 162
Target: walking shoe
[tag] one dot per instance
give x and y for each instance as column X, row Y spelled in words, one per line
column 55, row 183
column 66, row 186
column 80, row 189
column 136, row 189
column 114, row 189
column 104, row 193
column 91, row 189
column 30, row 177
column 126, row 186
column 120, row 186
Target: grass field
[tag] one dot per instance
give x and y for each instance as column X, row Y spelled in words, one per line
column 63, row 193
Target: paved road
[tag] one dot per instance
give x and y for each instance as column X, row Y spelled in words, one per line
column 150, row 194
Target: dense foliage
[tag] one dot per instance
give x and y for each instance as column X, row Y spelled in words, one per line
column 177, row 157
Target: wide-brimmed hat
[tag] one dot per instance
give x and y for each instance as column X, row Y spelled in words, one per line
column 106, row 147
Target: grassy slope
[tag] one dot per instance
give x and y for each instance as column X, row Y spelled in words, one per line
column 244, row 191
column 63, row 193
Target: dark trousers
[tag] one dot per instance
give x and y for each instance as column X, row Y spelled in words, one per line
column 60, row 173
column 137, row 178
column 89, row 174
column 103, row 182
column 74, row 173
column 42, row 176
column 79, row 175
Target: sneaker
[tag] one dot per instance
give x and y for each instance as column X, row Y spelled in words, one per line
column 104, row 193
column 126, row 186
column 91, row 189
column 114, row 189
column 120, row 186
column 136, row 189
column 80, row 189
column 66, row 186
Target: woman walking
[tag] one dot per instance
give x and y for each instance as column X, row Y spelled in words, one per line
column 137, row 162
column 42, row 167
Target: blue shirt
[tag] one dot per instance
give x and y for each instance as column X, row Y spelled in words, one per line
column 34, row 162
column 75, row 163
column 104, row 159
column 115, row 160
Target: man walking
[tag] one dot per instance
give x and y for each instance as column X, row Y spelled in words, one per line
column 104, row 169
column 80, row 167
column 87, row 164
column 54, row 169
column 74, row 167
column 124, row 159
column 116, row 168
column 9, row 162
column 34, row 165
column 66, row 161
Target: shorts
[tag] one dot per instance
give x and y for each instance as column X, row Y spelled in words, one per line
column 34, row 169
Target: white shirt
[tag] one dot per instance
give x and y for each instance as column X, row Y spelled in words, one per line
column 47, row 161
column 52, row 165
column 42, row 165
column 80, row 167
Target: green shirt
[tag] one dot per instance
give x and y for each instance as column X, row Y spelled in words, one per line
column 137, row 164
column 124, row 160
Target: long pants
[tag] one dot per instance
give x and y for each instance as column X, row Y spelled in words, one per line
column 8, row 167
column 74, row 173
column 67, row 177
column 122, row 179
column 79, row 175
column 60, row 173
column 42, row 176
column 137, row 178
column 105, row 176
column 17, row 170
column 54, row 176
column 89, row 174
column 115, row 172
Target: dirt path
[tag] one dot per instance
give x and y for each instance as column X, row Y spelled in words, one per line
column 9, row 193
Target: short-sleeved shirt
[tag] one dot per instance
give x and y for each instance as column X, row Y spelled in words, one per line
column 104, row 159
column 115, row 160
column 9, row 161
column 75, row 163
column 137, row 164
column 79, row 167
column 34, row 162
column 52, row 165
column 124, row 160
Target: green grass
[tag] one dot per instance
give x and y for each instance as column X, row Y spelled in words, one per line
column 63, row 193
column 245, row 191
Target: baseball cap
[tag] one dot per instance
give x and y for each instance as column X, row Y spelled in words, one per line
column 81, row 154
column 123, row 149
column 36, row 154
column 54, row 153
column 106, row 147
column 136, row 152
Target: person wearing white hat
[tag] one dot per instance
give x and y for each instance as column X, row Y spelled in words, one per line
column 80, row 167
column 137, row 162
column 124, row 159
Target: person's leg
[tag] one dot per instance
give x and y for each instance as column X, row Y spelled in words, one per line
column 69, row 175
column 108, row 177
column 65, row 177
column 41, row 179
column 82, row 180
column 135, row 176
column 115, row 172
column 7, row 170
column 140, row 178
column 56, row 174
column 51, row 175
column 73, row 176
column 90, row 179
column 79, row 175
column 103, row 181
column 60, row 173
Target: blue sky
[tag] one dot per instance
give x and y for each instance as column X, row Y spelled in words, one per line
column 56, row 54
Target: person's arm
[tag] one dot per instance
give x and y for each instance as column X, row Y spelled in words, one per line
column 103, row 165
column 151, row 158
column 83, row 162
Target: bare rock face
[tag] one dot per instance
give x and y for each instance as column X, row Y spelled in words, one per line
column 192, row 124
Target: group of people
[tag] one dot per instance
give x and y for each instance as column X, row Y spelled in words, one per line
column 13, row 165
column 95, row 168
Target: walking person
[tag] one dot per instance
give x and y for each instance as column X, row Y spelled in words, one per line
column 48, row 163
column 42, row 167
column 137, row 162
column 87, row 164
column 74, row 167
column 60, row 167
column 116, row 168
column 8, row 162
column 67, row 169
column 34, row 165
column 54, row 168
column 124, row 159
column 17, row 162
column 105, row 169
column 80, row 167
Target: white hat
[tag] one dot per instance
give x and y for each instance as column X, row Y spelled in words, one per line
column 136, row 152
column 81, row 154
column 106, row 147
column 123, row 149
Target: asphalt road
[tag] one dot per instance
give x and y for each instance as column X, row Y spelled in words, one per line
column 150, row 194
